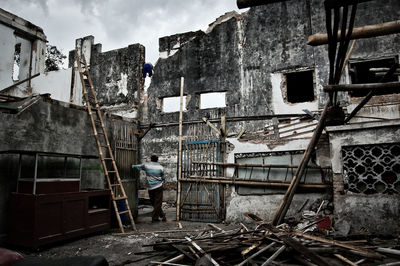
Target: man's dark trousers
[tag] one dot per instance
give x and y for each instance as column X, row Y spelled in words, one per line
column 156, row 198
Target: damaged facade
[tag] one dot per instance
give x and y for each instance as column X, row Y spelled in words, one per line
column 255, row 79
column 259, row 60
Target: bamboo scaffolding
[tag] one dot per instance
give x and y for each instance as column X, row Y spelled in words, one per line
column 252, row 182
column 259, row 165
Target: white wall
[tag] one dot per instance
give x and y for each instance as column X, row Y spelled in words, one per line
column 57, row 83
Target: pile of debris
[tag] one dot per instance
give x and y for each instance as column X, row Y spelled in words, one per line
column 270, row 245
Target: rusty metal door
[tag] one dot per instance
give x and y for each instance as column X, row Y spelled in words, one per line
column 201, row 201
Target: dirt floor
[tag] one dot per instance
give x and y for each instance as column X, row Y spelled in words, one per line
column 123, row 250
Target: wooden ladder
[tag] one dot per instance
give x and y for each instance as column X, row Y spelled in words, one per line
column 110, row 167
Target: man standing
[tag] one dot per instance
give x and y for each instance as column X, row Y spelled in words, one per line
column 155, row 179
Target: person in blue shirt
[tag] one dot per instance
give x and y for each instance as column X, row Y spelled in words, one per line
column 155, row 178
column 147, row 69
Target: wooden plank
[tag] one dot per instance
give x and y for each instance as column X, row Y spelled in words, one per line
column 212, row 126
column 346, row 260
column 362, row 252
column 296, row 245
column 359, row 33
column 208, row 256
column 256, row 254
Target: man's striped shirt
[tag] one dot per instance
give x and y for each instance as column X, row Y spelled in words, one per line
column 154, row 174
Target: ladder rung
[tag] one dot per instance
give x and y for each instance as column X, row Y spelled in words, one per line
column 126, row 211
column 111, row 171
column 119, row 198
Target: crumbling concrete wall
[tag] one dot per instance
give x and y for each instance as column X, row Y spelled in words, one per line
column 50, row 126
column 248, row 56
column 373, row 211
column 116, row 75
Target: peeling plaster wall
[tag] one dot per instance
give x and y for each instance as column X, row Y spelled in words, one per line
column 354, row 213
column 116, row 75
column 50, row 126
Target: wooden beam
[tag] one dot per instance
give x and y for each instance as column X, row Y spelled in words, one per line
column 364, row 252
column 216, row 130
column 288, row 197
column 359, row 33
column 250, row 3
column 20, row 82
column 395, row 86
column 259, row 165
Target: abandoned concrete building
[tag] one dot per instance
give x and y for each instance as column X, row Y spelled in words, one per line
column 231, row 112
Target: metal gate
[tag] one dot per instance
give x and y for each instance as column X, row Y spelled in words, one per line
column 201, row 199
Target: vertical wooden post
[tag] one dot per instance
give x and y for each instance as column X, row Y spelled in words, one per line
column 178, row 197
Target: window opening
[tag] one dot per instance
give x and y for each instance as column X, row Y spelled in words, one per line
column 300, row 86
column 213, row 100
column 172, row 104
column 371, row 72
column 16, row 64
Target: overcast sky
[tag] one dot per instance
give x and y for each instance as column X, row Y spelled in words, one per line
column 118, row 23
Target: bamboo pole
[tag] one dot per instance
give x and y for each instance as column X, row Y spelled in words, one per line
column 285, row 203
column 178, row 199
column 260, row 165
column 359, row 33
column 362, row 87
column 252, row 182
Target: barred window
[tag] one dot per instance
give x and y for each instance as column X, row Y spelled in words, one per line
column 371, row 169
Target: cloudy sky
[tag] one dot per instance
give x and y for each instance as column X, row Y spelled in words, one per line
column 118, row 23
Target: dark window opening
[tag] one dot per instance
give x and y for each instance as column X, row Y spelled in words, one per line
column 371, row 72
column 300, row 86
column 17, row 56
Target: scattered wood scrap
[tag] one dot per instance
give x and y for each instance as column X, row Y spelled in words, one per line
column 266, row 244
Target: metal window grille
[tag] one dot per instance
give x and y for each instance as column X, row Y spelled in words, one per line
column 371, row 169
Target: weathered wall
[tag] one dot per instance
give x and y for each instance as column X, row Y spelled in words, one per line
column 116, row 75
column 49, row 126
column 375, row 213
column 247, row 56
column 15, row 30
